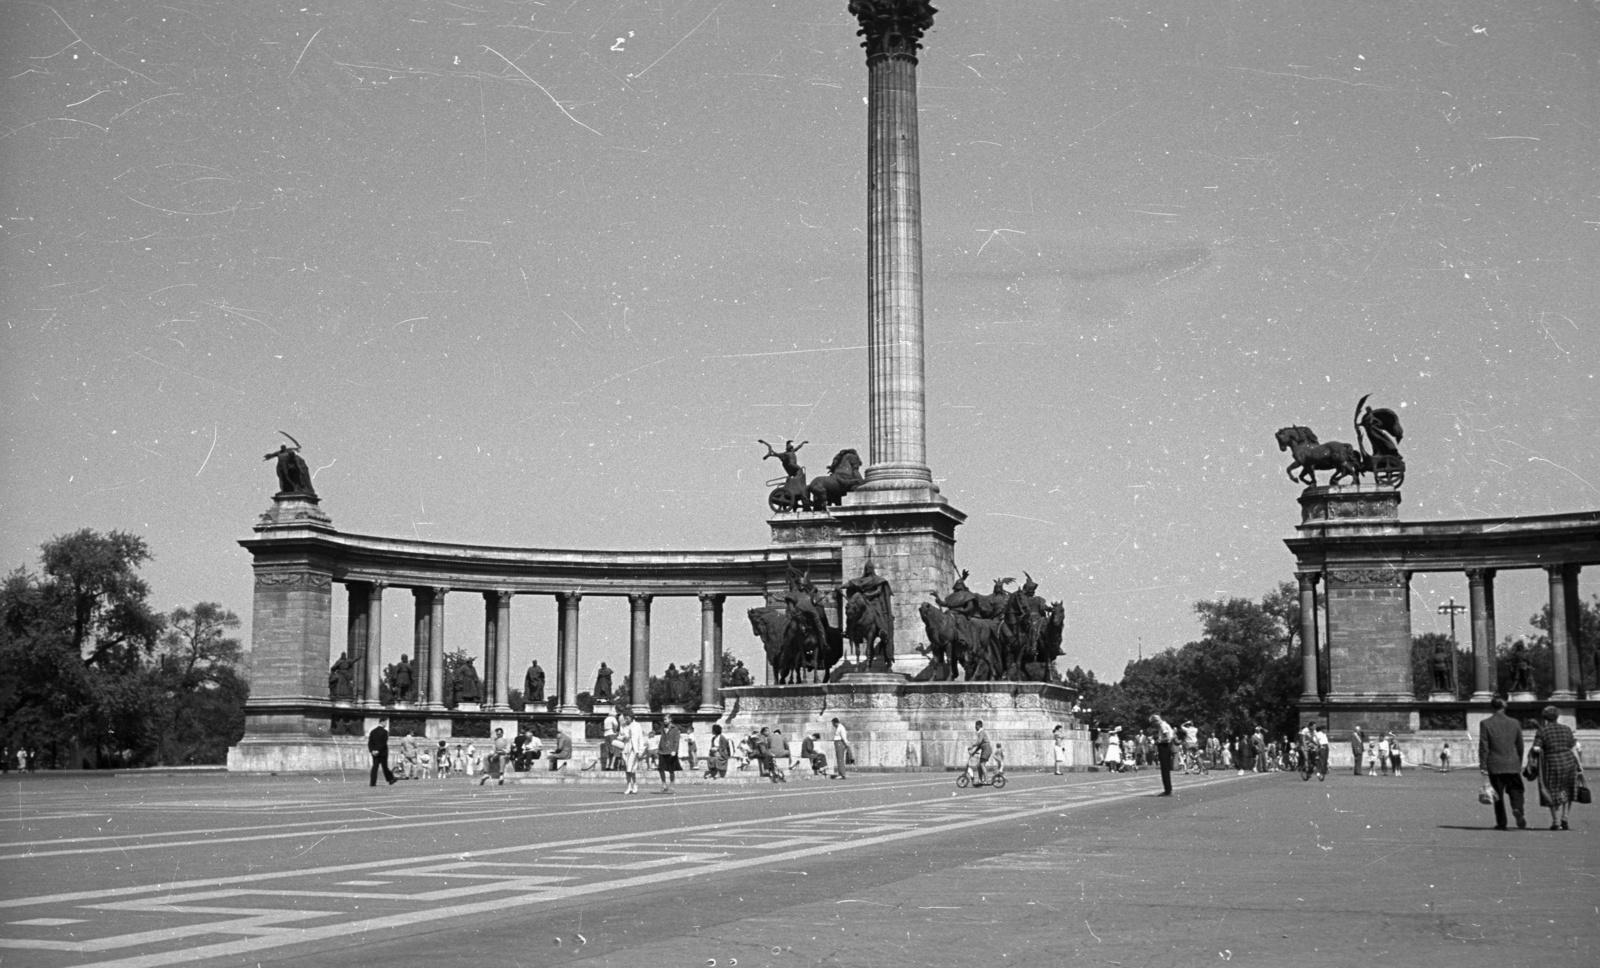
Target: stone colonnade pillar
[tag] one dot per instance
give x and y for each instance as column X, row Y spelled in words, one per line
column 356, row 642
column 1308, row 635
column 711, row 650
column 568, row 701
column 436, row 683
column 1561, row 576
column 639, row 654
column 496, row 647
column 422, row 641
column 1480, row 597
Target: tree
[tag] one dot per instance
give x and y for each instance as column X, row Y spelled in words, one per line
column 1587, row 634
column 112, row 623
column 197, row 641
column 198, row 675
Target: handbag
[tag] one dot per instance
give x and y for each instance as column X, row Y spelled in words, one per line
column 1583, row 789
column 1486, row 794
column 1531, row 771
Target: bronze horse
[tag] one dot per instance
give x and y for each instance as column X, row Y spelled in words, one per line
column 1310, row 456
column 844, row 476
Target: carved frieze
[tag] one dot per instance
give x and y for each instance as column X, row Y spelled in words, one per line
column 1388, row 577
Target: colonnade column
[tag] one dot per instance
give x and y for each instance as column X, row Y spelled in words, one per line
column 1308, row 635
column 356, row 647
column 568, row 702
column 496, row 647
column 710, row 650
column 1560, row 629
column 1480, row 596
column 499, row 697
column 422, row 640
column 1560, row 632
column 436, row 683
column 1575, row 633
column 639, row 654
column 373, row 688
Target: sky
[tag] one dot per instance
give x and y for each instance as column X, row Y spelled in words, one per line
column 541, row 273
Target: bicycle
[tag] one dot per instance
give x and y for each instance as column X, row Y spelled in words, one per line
column 1308, row 764
column 1194, row 762
column 998, row 781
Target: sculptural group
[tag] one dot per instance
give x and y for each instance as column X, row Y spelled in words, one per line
column 1378, row 428
column 795, row 493
column 798, row 638
column 1014, row 636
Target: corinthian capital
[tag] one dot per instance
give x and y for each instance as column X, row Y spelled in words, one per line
column 892, row 27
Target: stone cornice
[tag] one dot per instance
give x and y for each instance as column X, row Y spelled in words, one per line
column 892, row 28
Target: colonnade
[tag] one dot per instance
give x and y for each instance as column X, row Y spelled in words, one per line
column 1564, row 627
column 367, row 649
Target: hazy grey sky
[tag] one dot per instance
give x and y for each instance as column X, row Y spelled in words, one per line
column 540, row 273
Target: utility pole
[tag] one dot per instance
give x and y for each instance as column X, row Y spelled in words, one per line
column 1452, row 610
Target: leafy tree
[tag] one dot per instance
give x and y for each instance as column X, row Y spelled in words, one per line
column 1584, row 674
column 199, row 677
column 95, row 577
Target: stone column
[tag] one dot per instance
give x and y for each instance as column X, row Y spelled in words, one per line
column 897, row 437
column 1575, row 633
column 710, row 643
column 436, row 653
column 1480, row 597
column 492, row 676
column 1560, row 632
column 423, row 640
column 355, row 640
column 1308, row 635
column 372, row 688
column 499, row 697
column 568, row 702
column 639, row 654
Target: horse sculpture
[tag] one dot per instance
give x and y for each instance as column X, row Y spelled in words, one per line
column 1310, row 456
column 791, row 648
column 866, row 633
column 844, row 476
column 1013, row 646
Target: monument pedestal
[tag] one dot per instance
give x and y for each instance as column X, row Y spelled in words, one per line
column 1439, row 695
column 912, row 543
column 1522, row 696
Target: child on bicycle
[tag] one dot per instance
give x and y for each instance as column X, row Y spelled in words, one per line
column 997, row 763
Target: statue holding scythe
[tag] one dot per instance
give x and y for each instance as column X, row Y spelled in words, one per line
column 294, row 477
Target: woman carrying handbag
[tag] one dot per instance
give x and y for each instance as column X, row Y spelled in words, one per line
column 1553, row 759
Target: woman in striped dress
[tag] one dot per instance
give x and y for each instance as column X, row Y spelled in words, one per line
column 1558, row 766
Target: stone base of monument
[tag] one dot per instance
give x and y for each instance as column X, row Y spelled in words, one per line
column 895, row 723
column 1440, row 695
column 1522, row 696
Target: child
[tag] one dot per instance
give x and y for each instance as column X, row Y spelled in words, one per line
column 997, row 763
column 441, row 757
column 1444, row 758
column 425, row 765
column 1372, row 758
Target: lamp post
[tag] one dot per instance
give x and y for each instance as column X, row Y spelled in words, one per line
column 1452, row 610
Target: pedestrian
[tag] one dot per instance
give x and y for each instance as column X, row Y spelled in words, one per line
column 1383, row 753
column 1559, row 771
column 474, row 759
column 1320, row 735
column 1113, row 760
column 1164, row 739
column 1259, row 745
column 1394, row 754
column 378, row 746
column 1372, row 758
column 841, row 749
column 441, row 760
column 1444, row 758
column 408, row 756
column 1058, row 747
column 1358, row 745
column 717, row 754
column 667, row 754
column 608, row 741
column 498, row 755
column 562, row 754
column 631, row 737
column 1500, row 759
column 978, row 753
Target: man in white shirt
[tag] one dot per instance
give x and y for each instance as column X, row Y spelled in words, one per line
column 1321, row 736
column 841, row 749
column 1165, row 737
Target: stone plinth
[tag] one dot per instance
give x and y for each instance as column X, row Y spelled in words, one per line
column 1369, row 633
column 899, row 724
column 1350, row 505
column 913, row 545
column 1441, row 696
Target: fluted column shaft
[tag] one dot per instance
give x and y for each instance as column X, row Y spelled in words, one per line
column 374, row 668
column 422, row 640
column 1480, row 599
column 639, row 654
column 436, row 683
column 710, row 650
column 1308, row 635
column 1560, row 631
column 500, row 694
column 568, row 702
column 356, row 646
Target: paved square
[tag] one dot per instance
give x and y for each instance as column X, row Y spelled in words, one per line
column 880, row 870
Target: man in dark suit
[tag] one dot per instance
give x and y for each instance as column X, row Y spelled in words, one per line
column 378, row 746
column 1500, row 759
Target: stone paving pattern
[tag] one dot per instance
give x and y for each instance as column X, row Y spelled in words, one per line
column 888, row 869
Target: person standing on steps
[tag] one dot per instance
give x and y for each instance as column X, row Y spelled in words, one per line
column 667, row 755
column 841, row 749
column 378, row 746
